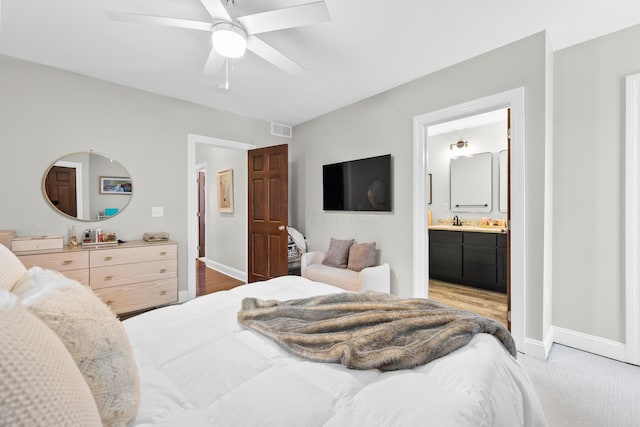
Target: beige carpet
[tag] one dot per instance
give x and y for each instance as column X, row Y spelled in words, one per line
column 581, row 389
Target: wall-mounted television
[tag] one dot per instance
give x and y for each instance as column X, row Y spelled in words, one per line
column 358, row 185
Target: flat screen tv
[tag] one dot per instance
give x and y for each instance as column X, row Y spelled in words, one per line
column 358, row 185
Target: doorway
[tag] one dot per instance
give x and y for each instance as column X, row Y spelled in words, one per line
column 513, row 99
column 467, row 160
column 193, row 141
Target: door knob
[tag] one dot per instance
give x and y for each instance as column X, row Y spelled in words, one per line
column 281, row 228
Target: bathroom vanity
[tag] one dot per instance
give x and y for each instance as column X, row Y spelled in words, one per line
column 469, row 255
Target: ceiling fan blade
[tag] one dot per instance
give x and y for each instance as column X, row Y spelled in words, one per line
column 216, row 9
column 273, row 56
column 295, row 16
column 214, row 63
column 158, row 20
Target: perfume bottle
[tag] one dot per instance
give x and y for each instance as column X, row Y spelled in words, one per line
column 73, row 238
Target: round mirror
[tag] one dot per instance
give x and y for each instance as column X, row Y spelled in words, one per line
column 87, row 186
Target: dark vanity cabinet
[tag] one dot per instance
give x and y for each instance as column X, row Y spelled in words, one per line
column 502, row 262
column 470, row 258
column 445, row 255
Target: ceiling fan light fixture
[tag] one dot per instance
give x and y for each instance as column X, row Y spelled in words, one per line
column 229, row 39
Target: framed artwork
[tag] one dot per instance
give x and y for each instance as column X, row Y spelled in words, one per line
column 225, row 191
column 430, row 189
column 115, row 185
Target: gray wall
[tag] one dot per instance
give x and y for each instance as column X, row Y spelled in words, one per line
column 226, row 232
column 384, row 124
column 46, row 113
column 589, row 131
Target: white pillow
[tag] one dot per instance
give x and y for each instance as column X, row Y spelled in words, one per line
column 94, row 337
column 40, row 385
column 11, row 269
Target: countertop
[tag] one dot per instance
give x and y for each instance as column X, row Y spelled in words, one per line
column 472, row 228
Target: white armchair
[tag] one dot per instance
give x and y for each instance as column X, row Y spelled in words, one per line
column 376, row 278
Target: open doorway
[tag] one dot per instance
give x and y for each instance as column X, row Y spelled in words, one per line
column 467, row 216
column 217, row 246
column 513, row 99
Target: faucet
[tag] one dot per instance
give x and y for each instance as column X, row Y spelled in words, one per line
column 456, row 221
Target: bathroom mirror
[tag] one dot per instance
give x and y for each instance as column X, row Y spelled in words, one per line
column 470, row 183
column 87, row 186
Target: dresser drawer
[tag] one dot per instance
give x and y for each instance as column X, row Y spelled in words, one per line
column 81, row 276
column 104, row 257
column 138, row 296
column 62, row 261
column 123, row 274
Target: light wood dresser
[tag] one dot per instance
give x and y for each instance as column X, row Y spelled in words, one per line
column 132, row 276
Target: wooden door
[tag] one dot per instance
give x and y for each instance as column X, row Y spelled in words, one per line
column 202, row 201
column 60, row 186
column 268, row 212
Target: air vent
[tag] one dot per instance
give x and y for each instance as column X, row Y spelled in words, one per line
column 278, row 129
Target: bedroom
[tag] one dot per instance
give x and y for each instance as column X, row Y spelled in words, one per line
column 575, row 110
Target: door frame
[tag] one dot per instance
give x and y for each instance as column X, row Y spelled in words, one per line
column 513, row 99
column 192, row 203
column 632, row 213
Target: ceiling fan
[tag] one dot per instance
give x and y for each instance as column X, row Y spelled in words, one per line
column 232, row 36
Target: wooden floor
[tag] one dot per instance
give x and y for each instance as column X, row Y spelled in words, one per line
column 209, row 280
column 486, row 303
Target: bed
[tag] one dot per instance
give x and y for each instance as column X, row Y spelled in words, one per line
column 199, row 367
column 65, row 359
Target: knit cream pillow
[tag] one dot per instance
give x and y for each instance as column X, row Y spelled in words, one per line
column 12, row 269
column 92, row 334
column 40, row 385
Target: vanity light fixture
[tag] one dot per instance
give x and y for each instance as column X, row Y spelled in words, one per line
column 229, row 39
column 460, row 144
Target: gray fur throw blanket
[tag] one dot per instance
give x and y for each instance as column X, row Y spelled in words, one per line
column 368, row 330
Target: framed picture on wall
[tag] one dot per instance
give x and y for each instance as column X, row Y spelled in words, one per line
column 115, row 185
column 225, row 191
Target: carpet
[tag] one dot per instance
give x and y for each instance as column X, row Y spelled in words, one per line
column 577, row 388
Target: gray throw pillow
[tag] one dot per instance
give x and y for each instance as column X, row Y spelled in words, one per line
column 338, row 253
column 362, row 255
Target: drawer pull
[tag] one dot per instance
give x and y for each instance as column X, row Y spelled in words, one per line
column 163, row 292
column 163, row 270
column 109, row 277
column 163, row 253
column 67, row 262
column 108, row 258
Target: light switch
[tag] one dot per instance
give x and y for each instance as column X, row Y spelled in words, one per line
column 157, row 211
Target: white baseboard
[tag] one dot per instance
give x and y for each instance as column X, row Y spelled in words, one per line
column 183, row 296
column 229, row 271
column 601, row 346
column 539, row 349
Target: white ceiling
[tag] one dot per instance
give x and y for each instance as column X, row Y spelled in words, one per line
column 368, row 46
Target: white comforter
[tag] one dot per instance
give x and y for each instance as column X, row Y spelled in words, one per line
column 198, row 367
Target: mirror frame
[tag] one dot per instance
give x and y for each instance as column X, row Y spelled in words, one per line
column 63, row 161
